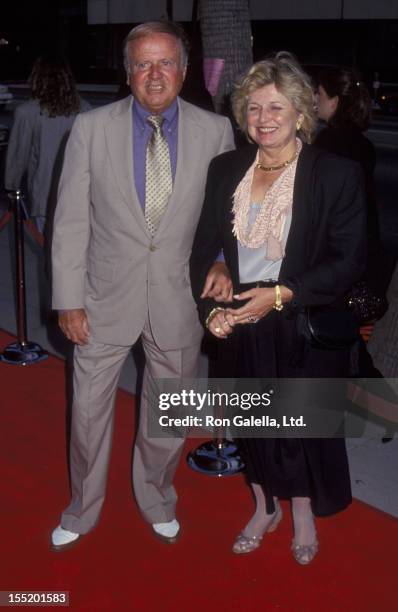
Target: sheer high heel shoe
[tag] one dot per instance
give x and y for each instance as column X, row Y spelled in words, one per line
column 304, row 553
column 245, row 544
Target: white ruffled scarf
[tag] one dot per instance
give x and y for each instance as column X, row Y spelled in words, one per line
column 269, row 224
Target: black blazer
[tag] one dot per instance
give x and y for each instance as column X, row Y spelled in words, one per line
column 326, row 245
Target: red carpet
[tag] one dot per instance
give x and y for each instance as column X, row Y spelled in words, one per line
column 121, row 566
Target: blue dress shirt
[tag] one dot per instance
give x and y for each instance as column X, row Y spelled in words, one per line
column 142, row 132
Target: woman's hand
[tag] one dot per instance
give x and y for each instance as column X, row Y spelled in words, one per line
column 221, row 324
column 261, row 302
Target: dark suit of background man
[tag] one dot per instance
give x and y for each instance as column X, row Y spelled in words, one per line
column 116, row 279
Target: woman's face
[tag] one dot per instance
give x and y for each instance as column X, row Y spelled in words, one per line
column 271, row 118
column 326, row 106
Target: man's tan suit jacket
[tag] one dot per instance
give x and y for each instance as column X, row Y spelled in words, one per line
column 104, row 259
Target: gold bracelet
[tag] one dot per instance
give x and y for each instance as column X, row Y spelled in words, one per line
column 211, row 315
column 278, row 299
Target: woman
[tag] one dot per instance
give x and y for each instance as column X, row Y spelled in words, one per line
column 39, row 133
column 290, row 220
column 345, row 105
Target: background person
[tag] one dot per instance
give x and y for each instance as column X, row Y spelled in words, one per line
column 39, row 134
column 291, row 222
column 346, row 106
column 129, row 201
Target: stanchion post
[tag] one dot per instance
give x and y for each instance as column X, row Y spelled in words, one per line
column 217, row 457
column 20, row 269
column 21, row 352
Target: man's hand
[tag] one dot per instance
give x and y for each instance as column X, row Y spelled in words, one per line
column 218, row 283
column 74, row 324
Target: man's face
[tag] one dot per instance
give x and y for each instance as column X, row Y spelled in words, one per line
column 156, row 72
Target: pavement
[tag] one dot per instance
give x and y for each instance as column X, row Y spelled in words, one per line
column 373, row 464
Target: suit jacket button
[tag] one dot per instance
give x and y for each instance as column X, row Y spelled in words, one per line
column 152, row 248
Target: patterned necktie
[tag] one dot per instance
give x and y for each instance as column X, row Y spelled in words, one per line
column 158, row 184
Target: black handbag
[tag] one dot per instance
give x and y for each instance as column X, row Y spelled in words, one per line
column 366, row 305
column 328, row 328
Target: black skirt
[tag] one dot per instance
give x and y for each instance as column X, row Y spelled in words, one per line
column 289, row 467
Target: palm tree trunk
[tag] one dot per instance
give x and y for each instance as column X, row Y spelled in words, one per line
column 226, row 35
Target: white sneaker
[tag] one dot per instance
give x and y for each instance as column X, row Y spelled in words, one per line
column 168, row 532
column 62, row 538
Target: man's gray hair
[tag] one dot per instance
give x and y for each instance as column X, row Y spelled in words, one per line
column 157, row 27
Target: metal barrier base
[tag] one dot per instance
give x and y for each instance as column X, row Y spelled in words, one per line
column 216, row 459
column 19, row 353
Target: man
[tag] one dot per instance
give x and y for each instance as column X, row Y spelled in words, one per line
column 130, row 196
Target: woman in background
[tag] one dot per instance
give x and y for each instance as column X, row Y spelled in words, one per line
column 345, row 105
column 39, row 134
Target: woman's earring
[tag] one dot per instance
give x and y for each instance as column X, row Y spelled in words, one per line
column 298, row 125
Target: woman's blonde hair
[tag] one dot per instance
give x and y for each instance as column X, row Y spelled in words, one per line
column 282, row 70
